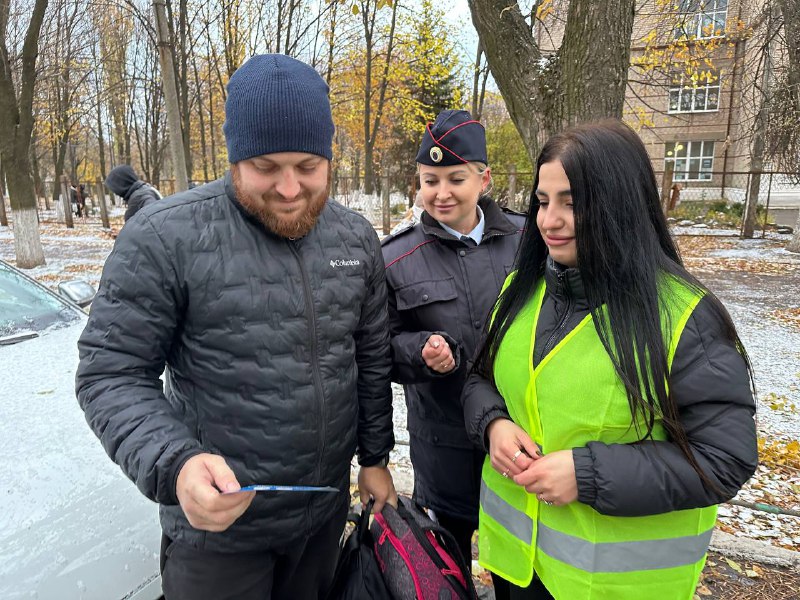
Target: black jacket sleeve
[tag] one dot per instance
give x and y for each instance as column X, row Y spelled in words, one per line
column 711, row 387
column 123, row 350
column 375, row 426
column 408, row 367
column 482, row 405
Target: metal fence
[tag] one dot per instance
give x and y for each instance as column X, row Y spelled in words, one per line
column 778, row 193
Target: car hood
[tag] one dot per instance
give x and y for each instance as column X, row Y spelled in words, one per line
column 71, row 524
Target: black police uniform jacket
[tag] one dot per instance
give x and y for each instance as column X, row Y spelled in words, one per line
column 276, row 352
column 440, row 284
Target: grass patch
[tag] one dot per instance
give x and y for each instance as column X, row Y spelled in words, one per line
column 729, row 214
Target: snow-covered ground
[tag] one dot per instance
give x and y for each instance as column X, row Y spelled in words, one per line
column 755, row 279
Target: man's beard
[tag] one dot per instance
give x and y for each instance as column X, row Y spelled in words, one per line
column 282, row 224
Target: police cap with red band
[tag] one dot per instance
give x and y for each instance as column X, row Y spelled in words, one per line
column 454, row 138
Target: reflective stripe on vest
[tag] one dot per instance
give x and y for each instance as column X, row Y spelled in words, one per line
column 622, row 557
column 516, row 522
column 604, row 557
column 578, row 553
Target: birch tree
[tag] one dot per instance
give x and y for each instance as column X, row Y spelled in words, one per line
column 17, row 81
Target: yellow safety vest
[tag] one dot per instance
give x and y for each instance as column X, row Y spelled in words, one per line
column 573, row 397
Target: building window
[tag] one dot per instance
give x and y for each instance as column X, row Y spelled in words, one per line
column 694, row 161
column 687, row 95
column 701, row 18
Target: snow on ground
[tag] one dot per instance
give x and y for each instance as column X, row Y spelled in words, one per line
column 770, row 283
column 723, row 232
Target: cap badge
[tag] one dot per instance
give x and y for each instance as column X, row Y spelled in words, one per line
column 436, row 154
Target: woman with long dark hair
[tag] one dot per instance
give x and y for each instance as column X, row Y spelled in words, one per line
column 611, row 390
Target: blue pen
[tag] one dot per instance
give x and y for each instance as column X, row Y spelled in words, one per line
column 285, row 488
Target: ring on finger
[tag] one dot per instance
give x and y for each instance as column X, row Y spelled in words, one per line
column 505, row 473
column 516, row 456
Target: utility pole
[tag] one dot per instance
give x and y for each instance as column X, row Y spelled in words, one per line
column 170, row 97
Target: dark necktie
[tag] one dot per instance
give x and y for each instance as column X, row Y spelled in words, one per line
column 468, row 240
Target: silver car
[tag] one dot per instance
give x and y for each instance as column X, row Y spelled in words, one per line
column 71, row 524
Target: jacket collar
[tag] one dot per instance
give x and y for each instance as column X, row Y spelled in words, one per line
column 564, row 282
column 495, row 222
column 133, row 188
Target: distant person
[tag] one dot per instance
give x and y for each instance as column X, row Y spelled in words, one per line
column 135, row 193
column 265, row 302
column 76, row 195
column 612, row 390
column 83, row 195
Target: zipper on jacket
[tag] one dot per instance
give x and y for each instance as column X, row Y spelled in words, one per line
column 312, row 321
column 562, row 283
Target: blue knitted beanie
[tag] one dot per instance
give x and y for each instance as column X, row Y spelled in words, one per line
column 277, row 104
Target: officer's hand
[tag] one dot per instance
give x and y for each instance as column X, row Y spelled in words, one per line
column 437, row 354
column 552, row 478
column 199, row 488
column 376, row 482
column 511, row 449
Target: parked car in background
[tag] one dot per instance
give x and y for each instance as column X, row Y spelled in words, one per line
column 71, row 524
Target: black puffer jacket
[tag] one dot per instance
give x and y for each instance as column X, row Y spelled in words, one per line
column 277, row 356
column 439, row 284
column 710, row 385
column 139, row 195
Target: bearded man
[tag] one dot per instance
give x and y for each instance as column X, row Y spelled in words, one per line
column 264, row 302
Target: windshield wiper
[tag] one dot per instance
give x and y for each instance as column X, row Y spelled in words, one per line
column 18, row 337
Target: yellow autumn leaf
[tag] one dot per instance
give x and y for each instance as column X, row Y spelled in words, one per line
column 734, row 565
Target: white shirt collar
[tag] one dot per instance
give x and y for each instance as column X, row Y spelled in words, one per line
column 476, row 234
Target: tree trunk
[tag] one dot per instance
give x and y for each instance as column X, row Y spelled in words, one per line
column 386, row 209
column 101, row 199
column 513, row 58
column 27, row 245
column 3, row 216
column 757, row 150
column 584, row 81
column 371, row 126
column 58, row 168
column 794, row 243
column 201, row 116
column 38, row 184
column 594, row 60
column 791, row 22
column 16, row 127
column 171, row 100
column 66, row 202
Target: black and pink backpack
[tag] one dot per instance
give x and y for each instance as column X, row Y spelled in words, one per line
column 419, row 559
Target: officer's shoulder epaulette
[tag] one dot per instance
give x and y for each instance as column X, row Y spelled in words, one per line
column 403, row 230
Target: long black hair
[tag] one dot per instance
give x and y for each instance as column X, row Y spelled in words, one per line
column 624, row 248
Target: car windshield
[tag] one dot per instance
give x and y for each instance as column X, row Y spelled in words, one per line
column 24, row 306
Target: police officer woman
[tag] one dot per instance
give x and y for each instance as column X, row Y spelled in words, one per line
column 627, row 393
column 444, row 274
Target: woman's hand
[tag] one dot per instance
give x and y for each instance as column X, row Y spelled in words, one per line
column 511, row 450
column 551, row 478
column 437, row 354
